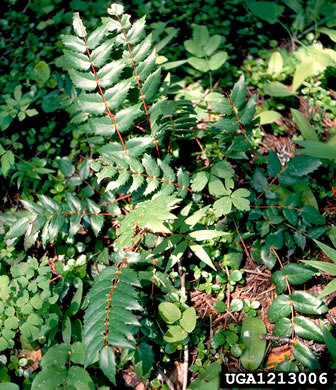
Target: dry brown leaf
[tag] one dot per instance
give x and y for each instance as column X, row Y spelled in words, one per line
column 278, row 355
column 33, row 358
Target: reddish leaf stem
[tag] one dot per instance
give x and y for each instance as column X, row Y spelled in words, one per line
column 272, row 181
column 109, row 298
column 139, row 85
column 102, row 95
column 242, row 241
column 240, row 125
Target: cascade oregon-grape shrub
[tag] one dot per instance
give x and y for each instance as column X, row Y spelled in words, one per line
column 144, row 222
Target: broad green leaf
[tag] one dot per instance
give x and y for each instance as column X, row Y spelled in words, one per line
column 177, row 254
column 297, row 274
column 109, row 74
column 96, row 220
column 322, row 266
column 208, row 379
column 330, row 342
column 253, row 354
column 126, row 117
column 101, row 54
column 318, row 150
column 212, row 45
column 173, row 64
column 291, row 216
column 220, row 307
column 151, row 85
column 115, row 9
column 306, row 303
column 300, row 239
column 329, row 289
column 74, row 43
column 222, row 169
column 201, row 235
column 199, row 64
column 266, row 10
column 76, row 60
column 217, row 60
column 328, row 250
column 146, row 67
column 79, row 379
column 280, row 308
column 150, row 215
column 247, row 113
column 312, row 215
column 306, row 129
column 259, row 181
column 167, row 243
column 216, row 187
column 279, row 280
column 331, row 33
column 49, row 378
column 92, row 103
column 142, row 49
column 144, row 360
column 9, row 386
column 282, row 328
column 66, row 167
column 202, row 254
column 306, row 328
column 76, row 300
column 275, row 63
column 18, row 228
column 267, row 117
column 137, row 31
column 58, row 355
column 183, row 180
column 277, row 89
column 236, row 305
column 85, row 81
column 107, row 363
column 78, row 25
column 188, row 320
column 302, row 165
column 193, row 48
column 302, row 72
column 55, row 226
column 96, row 37
column 77, row 353
column 197, row 216
column 238, row 93
column 308, row 197
column 7, row 161
column 263, row 255
column 274, row 165
column 200, row 35
column 66, row 330
column 169, row 312
column 84, row 170
column 73, row 202
column 305, row 356
column 199, row 181
column 40, row 73
column 239, row 200
column 175, row 334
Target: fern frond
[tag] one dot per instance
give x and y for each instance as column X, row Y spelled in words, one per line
column 152, row 176
column 49, row 218
column 109, row 318
column 149, row 215
column 107, row 67
column 177, row 118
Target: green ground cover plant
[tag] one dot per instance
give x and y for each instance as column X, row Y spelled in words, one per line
column 129, row 240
